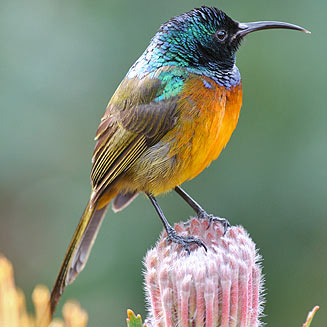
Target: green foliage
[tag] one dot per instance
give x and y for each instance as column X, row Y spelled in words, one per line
column 310, row 316
column 134, row 321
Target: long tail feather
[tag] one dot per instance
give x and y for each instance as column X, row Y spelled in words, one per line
column 77, row 252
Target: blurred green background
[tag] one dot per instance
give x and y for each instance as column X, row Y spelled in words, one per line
column 61, row 62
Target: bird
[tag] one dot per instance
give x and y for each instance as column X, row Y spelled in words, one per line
column 170, row 117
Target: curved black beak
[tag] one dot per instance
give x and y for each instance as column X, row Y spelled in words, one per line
column 246, row 28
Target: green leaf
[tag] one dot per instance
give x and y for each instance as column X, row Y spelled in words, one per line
column 134, row 321
column 310, row 316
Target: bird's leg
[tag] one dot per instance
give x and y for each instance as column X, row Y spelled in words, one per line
column 185, row 241
column 201, row 213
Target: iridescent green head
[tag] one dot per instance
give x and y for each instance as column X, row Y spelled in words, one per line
column 203, row 40
column 199, row 38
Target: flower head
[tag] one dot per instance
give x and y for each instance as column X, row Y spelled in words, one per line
column 221, row 287
column 13, row 311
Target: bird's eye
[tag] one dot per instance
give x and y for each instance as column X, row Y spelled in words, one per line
column 221, row 35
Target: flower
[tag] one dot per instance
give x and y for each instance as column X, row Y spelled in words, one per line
column 13, row 310
column 221, row 287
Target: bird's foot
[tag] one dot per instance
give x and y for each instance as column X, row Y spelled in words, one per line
column 211, row 218
column 184, row 241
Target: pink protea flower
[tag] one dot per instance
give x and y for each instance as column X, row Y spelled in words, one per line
column 218, row 288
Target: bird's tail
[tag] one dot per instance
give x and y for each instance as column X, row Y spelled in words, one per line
column 78, row 251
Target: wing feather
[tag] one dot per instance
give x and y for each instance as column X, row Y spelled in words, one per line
column 136, row 118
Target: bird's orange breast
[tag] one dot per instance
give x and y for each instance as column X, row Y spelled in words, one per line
column 208, row 117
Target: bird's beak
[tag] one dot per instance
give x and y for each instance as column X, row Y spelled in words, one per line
column 246, row 28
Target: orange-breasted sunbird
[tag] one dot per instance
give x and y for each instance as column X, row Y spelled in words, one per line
column 169, row 118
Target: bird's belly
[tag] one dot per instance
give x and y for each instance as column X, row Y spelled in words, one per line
column 207, row 120
column 209, row 131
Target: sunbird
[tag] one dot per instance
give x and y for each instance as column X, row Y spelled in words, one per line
column 169, row 118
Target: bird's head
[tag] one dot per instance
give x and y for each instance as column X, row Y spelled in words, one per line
column 205, row 38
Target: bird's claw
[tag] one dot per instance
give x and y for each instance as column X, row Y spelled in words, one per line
column 225, row 223
column 185, row 241
column 211, row 218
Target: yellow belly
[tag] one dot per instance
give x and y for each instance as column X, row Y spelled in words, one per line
column 211, row 129
column 208, row 117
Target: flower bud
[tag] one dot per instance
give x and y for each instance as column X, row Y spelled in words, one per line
column 218, row 288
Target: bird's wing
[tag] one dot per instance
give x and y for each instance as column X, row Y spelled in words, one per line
column 139, row 114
